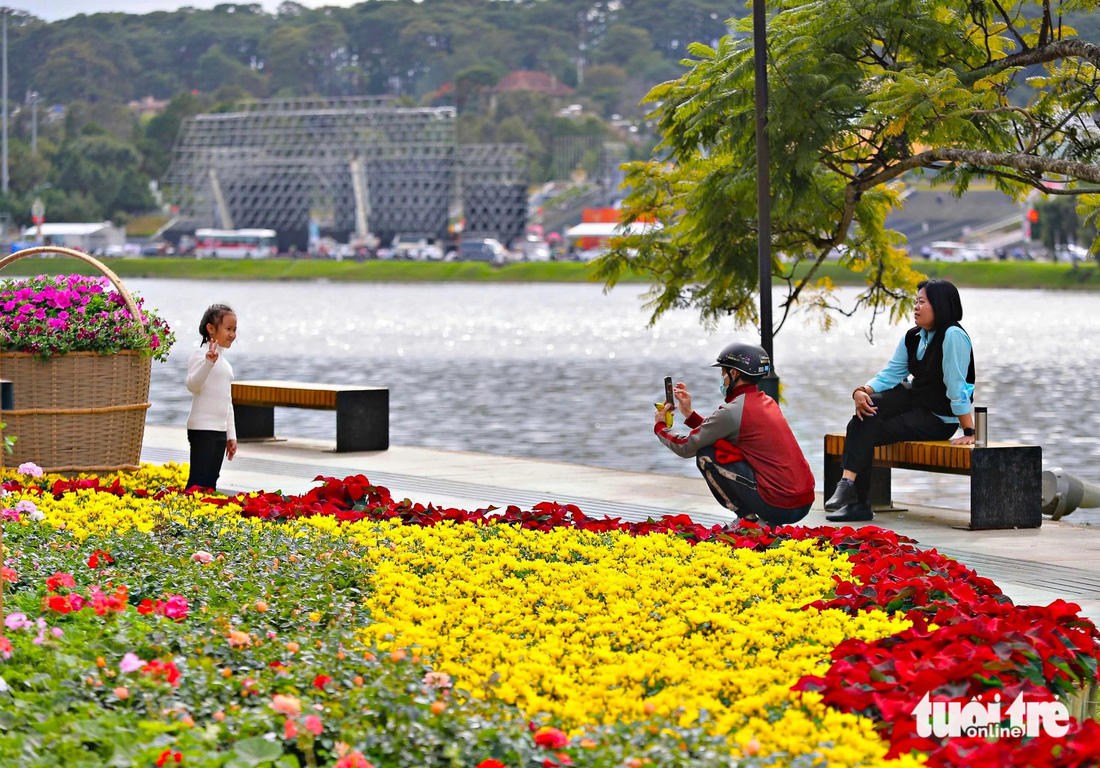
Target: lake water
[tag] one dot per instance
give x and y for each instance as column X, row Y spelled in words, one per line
column 567, row 372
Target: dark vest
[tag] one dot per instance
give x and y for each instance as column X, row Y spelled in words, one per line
column 929, row 389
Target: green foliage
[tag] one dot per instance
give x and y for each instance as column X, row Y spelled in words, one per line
column 68, row 699
column 1060, row 224
column 397, row 48
column 107, row 169
column 861, row 93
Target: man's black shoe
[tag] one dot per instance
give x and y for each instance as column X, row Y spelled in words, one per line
column 844, row 495
column 852, row 513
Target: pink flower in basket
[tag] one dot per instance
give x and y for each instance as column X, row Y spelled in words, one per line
column 30, row 468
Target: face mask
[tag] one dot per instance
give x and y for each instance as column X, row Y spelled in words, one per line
column 725, row 387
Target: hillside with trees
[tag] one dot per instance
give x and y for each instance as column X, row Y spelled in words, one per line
column 96, row 155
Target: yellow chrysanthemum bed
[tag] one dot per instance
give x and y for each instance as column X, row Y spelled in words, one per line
column 659, row 633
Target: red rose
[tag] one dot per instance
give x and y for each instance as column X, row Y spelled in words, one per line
column 551, row 738
column 321, row 681
column 491, row 764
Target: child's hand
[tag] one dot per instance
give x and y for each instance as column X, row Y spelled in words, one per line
column 212, row 351
column 230, row 449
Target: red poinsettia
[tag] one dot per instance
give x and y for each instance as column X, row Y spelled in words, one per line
column 97, row 556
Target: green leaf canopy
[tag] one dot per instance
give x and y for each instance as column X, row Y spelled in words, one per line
column 864, row 95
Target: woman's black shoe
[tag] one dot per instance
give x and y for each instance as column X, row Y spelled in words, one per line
column 844, row 495
column 852, row 513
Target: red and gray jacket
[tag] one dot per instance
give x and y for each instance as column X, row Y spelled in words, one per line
column 750, row 427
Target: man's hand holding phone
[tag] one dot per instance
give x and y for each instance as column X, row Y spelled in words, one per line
column 663, row 414
column 683, row 398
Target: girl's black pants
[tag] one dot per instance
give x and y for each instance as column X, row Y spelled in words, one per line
column 207, row 452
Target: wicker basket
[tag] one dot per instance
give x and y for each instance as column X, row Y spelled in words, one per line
column 80, row 412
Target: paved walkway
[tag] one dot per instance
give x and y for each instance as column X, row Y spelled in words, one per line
column 1034, row 566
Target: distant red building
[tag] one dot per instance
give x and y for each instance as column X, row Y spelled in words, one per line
column 529, row 80
column 520, row 80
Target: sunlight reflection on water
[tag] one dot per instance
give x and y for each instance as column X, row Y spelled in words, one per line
column 566, row 372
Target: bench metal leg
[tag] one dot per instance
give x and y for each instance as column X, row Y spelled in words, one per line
column 254, row 422
column 1006, row 487
column 832, row 473
column 879, row 495
column 363, row 420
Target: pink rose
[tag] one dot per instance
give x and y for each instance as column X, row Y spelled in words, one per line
column 202, row 557
column 130, row 663
column 175, row 607
column 286, row 705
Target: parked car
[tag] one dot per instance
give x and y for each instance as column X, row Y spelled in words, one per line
column 533, row 248
column 944, row 250
column 417, row 249
column 591, row 254
column 487, row 250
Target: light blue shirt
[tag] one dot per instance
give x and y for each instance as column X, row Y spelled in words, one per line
column 956, row 362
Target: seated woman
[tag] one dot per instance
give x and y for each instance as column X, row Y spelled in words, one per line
column 923, row 393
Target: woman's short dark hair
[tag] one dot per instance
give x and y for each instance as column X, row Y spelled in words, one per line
column 947, row 307
column 213, row 316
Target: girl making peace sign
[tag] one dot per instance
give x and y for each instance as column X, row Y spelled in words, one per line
column 210, row 428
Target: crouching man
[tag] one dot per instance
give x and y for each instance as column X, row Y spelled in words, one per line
column 746, row 451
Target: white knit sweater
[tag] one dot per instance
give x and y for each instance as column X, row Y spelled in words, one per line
column 210, row 385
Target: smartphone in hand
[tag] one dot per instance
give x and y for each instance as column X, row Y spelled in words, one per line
column 669, row 400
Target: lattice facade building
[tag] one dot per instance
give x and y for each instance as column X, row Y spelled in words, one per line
column 494, row 190
column 353, row 165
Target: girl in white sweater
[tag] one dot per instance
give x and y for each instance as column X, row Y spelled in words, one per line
column 210, row 428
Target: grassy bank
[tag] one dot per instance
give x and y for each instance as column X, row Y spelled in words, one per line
column 310, row 269
column 976, row 275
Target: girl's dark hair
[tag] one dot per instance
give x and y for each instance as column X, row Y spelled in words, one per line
column 947, row 307
column 213, row 316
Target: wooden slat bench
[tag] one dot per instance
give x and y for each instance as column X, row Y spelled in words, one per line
column 362, row 413
column 1005, row 478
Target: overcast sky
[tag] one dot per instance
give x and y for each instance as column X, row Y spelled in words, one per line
column 52, row 10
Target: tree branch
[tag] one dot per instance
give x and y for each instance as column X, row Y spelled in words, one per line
column 1020, row 162
column 1070, row 47
column 851, row 196
column 1008, row 23
column 1040, row 185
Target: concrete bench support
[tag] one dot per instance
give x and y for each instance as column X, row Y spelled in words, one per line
column 1005, row 478
column 362, row 413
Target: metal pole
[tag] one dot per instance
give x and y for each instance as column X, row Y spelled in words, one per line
column 34, row 125
column 4, row 87
column 770, row 384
